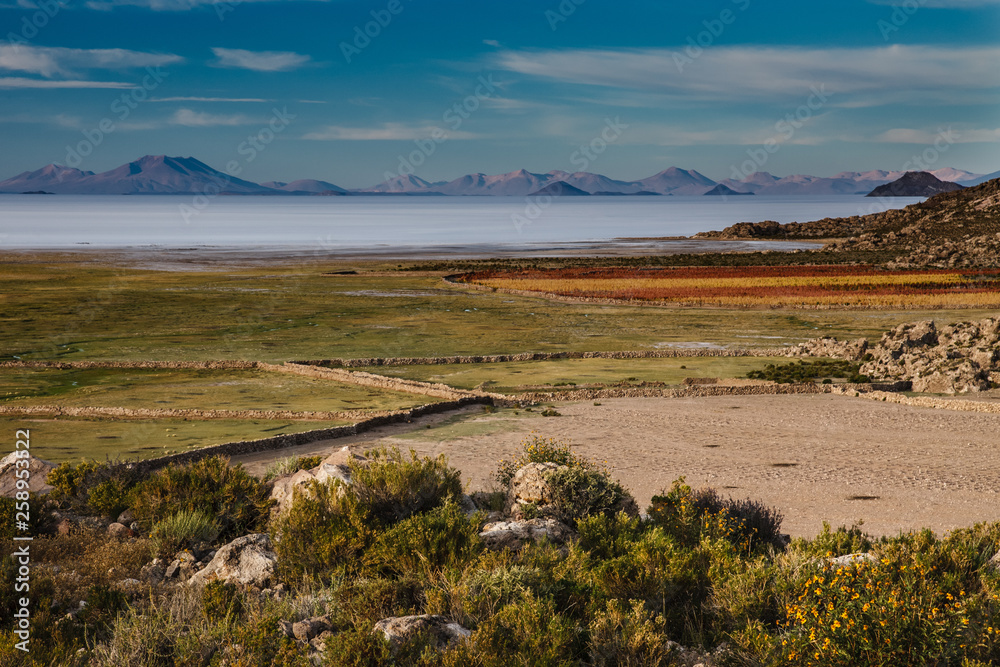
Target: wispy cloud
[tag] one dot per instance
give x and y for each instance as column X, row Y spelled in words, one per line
column 899, row 73
column 210, row 99
column 259, row 61
column 51, row 62
column 189, row 118
column 20, row 82
column 384, row 132
column 902, row 135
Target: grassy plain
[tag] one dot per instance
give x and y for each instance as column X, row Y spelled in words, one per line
column 70, row 439
column 194, row 389
column 563, row 373
column 59, row 308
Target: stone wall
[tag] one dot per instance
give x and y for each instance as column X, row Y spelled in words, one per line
column 697, row 391
column 184, row 413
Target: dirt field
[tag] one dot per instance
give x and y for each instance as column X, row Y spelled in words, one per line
column 816, row 457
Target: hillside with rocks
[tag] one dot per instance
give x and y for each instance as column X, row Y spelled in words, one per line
column 951, row 230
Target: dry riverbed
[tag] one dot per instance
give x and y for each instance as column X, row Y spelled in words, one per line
column 815, row 457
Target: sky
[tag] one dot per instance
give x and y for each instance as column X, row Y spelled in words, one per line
column 355, row 92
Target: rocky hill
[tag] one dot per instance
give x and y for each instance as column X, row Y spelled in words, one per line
column 953, row 229
column 914, row 184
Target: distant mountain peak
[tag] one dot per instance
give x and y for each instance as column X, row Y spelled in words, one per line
column 915, row 184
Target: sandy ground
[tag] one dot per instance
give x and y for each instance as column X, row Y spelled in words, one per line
column 815, row 457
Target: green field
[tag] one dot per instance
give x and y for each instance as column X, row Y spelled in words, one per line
column 68, row 439
column 519, row 376
column 197, row 389
column 75, row 310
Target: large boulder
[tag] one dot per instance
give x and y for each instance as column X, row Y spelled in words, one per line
column 851, row 350
column 335, row 466
column 37, row 468
column 442, row 631
column 247, row 561
column 530, row 484
column 515, row 534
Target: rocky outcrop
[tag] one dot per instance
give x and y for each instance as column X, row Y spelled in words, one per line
column 442, row 631
column 248, row 561
column 530, row 484
column 515, row 534
column 852, row 350
column 335, row 466
column 958, row 358
column 915, row 184
column 37, row 469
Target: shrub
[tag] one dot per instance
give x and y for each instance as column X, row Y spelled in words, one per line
column 390, row 488
column 603, row 536
column 9, row 509
column 182, row 530
column 538, row 450
column 442, row 537
column 102, row 489
column 357, row 648
column 629, row 636
column 291, row 465
column 239, row 502
column 579, row 492
column 221, row 601
column 110, row 497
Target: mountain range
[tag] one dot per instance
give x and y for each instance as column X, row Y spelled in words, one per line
column 160, row 174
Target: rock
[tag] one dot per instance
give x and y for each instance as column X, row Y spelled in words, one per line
column 443, row 631
column 37, row 468
column 129, row 583
column 467, row 504
column 852, row 350
column 65, row 527
column 286, row 628
column 153, row 572
column 530, row 484
column 126, row 518
column 514, row 534
column 119, row 531
column 172, row 570
column 247, row 560
column 955, row 359
column 311, row 627
column 319, row 641
column 335, row 466
column 851, row 560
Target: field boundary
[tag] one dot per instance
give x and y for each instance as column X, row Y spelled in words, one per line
column 700, row 391
column 191, row 414
column 956, row 404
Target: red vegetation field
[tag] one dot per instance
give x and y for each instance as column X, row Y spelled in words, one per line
column 765, row 286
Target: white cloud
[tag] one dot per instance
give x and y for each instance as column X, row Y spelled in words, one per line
column 898, row 73
column 10, row 82
column 259, row 61
column 384, row 132
column 210, row 99
column 189, row 118
column 50, row 61
column 902, row 135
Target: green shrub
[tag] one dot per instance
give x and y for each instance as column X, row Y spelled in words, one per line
column 291, row 465
column 623, row 636
column 391, row 488
column 221, row 601
column 239, row 502
column 357, row 648
column 9, row 509
column 579, row 492
column 808, row 371
column 603, row 536
column 538, row 450
column 442, row 537
column 182, row 530
column 110, row 497
column 838, row 542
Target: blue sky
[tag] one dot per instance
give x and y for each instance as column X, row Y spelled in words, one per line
column 793, row 87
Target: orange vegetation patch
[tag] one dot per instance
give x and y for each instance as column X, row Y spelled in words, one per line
column 764, row 286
